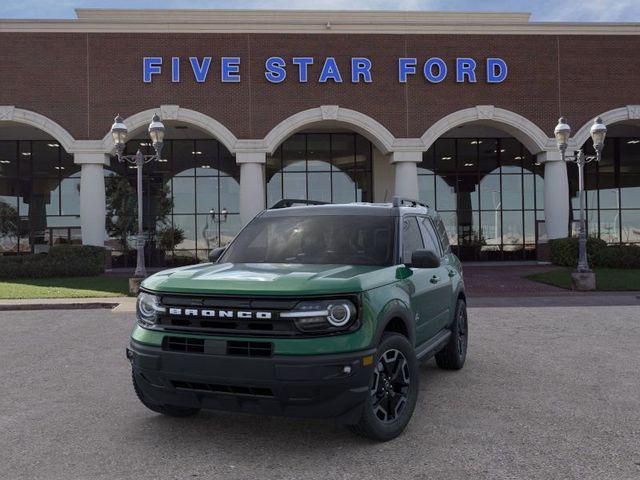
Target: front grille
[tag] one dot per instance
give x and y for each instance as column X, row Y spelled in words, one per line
column 228, row 389
column 274, row 326
column 249, row 349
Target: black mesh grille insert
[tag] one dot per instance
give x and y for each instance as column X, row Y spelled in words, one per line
column 249, row 349
column 183, row 344
column 230, row 389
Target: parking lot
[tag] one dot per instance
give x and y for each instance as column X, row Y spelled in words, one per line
column 547, row 392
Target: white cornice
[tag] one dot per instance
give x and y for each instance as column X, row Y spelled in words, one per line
column 300, row 21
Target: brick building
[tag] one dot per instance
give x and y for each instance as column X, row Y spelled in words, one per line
column 457, row 109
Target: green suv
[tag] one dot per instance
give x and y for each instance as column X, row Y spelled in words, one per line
column 314, row 311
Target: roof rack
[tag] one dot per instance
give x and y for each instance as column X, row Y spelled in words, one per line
column 292, row 202
column 410, row 202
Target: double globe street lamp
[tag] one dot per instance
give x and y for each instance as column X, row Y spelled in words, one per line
column 119, row 133
column 583, row 277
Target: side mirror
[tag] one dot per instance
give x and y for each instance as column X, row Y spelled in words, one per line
column 216, row 253
column 424, row 259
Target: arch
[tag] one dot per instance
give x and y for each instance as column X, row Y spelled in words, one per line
column 527, row 132
column 177, row 113
column 373, row 130
column 629, row 112
column 9, row 113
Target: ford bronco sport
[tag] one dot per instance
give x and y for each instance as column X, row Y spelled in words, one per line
column 317, row 310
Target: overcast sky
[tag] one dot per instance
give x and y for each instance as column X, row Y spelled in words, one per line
column 543, row 10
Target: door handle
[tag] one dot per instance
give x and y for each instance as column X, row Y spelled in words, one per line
column 435, row 279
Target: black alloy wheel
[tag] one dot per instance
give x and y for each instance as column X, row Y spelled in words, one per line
column 393, row 390
column 390, row 387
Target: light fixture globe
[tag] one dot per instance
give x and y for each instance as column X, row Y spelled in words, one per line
column 598, row 133
column 156, row 132
column 562, row 133
column 119, row 133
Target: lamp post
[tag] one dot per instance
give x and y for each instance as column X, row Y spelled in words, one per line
column 562, row 133
column 119, row 133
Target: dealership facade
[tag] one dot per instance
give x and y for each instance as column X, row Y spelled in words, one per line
column 455, row 109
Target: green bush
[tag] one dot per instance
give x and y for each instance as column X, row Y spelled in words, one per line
column 564, row 251
column 61, row 261
column 618, row 256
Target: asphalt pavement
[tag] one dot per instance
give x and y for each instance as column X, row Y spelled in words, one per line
column 547, row 393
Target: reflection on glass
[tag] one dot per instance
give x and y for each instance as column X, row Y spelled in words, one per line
column 512, row 192
column 512, row 230
column 331, row 167
column 445, row 195
column 630, row 223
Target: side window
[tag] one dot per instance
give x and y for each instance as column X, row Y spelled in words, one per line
column 411, row 238
column 442, row 234
column 429, row 236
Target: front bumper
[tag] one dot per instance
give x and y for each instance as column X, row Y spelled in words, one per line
column 318, row 386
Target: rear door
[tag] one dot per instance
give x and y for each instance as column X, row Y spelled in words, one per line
column 441, row 279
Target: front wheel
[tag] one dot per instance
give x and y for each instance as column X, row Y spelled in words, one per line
column 453, row 355
column 393, row 390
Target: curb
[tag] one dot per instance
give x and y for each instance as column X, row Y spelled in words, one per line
column 57, row 306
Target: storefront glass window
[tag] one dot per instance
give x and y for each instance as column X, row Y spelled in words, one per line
column 39, row 196
column 489, row 192
column 329, row 167
column 612, row 191
column 193, row 191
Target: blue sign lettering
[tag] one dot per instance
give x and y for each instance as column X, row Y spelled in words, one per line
column 360, row 67
column 330, row 71
column 406, row 66
column 151, row 66
column 434, row 69
column 230, row 69
column 175, row 69
column 303, row 67
column 465, row 67
column 200, row 71
column 275, row 71
column 441, row 67
column 496, row 70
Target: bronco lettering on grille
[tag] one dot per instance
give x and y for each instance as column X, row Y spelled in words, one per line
column 194, row 312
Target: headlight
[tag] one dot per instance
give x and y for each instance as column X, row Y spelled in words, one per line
column 323, row 316
column 147, row 309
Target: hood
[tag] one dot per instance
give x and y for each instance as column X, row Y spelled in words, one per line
column 270, row 279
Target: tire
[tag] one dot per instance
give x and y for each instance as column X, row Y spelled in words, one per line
column 169, row 410
column 454, row 354
column 393, row 390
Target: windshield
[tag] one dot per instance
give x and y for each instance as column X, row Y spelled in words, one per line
column 319, row 239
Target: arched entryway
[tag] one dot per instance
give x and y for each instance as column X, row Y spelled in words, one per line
column 481, row 173
column 328, row 154
column 191, row 197
column 613, row 185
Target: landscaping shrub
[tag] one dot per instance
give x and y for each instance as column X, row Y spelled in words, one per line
column 618, row 256
column 61, row 261
column 564, row 252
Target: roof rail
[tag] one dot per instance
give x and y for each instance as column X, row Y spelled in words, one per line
column 400, row 201
column 292, row 202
